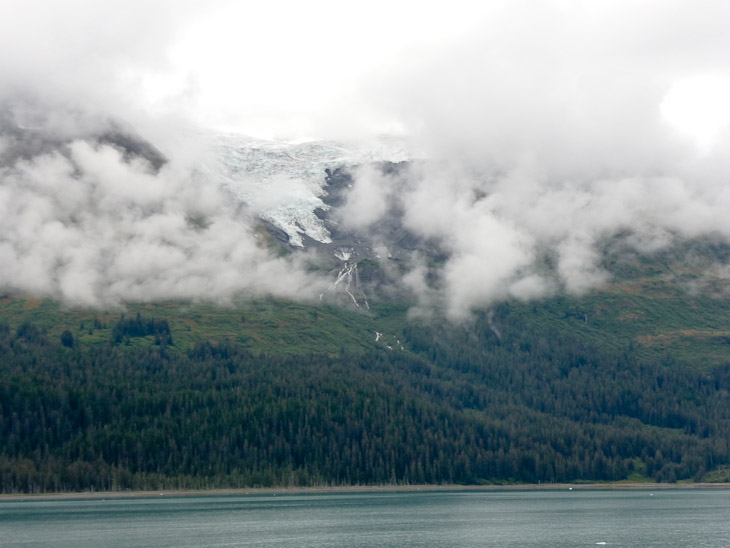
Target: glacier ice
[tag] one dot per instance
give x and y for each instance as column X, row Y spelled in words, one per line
column 283, row 183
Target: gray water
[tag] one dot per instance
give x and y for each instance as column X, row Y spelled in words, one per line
column 524, row 519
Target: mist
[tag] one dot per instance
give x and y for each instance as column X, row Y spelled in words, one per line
column 539, row 131
column 92, row 229
column 544, row 134
column 88, row 220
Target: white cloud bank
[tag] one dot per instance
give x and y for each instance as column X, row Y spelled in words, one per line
column 94, row 229
column 547, row 134
column 84, row 221
column 545, row 123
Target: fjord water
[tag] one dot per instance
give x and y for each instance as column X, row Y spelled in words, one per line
column 520, row 519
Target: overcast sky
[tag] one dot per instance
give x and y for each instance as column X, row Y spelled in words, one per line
column 325, row 67
column 550, row 125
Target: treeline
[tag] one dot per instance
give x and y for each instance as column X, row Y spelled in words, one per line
column 126, row 328
column 497, row 402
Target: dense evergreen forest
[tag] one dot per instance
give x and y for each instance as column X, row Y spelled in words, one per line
column 459, row 404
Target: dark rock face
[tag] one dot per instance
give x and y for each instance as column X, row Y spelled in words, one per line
column 367, row 262
column 389, row 238
column 276, row 232
column 132, row 146
column 24, row 140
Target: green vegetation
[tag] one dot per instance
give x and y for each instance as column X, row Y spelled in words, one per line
column 667, row 308
column 721, row 475
column 263, row 325
column 461, row 405
column 629, row 383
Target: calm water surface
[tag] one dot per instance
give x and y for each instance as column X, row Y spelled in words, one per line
column 525, row 519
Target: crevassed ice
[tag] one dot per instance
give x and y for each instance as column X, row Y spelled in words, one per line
column 283, row 183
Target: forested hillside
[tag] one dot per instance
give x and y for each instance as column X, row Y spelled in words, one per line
column 503, row 399
column 470, row 245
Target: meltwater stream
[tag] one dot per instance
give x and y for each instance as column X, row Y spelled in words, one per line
column 520, row 519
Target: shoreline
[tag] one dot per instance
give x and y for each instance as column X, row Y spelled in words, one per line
column 253, row 491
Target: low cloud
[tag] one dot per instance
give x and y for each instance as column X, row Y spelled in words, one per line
column 540, row 133
column 368, row 200
column 90, row 211
column 545, row 138
column 524, row 236
column 92, row 228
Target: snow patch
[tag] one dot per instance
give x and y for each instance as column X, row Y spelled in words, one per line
column 343, row 254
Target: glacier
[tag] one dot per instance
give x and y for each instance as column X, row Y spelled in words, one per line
column 283, row 182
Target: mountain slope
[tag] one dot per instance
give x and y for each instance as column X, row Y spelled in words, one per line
column 366, row 379
column 629, row 382
column 668, row 307
column 459, row 405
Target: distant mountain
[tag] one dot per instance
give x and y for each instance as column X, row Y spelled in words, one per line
column 629, row 381
column 27, row 139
